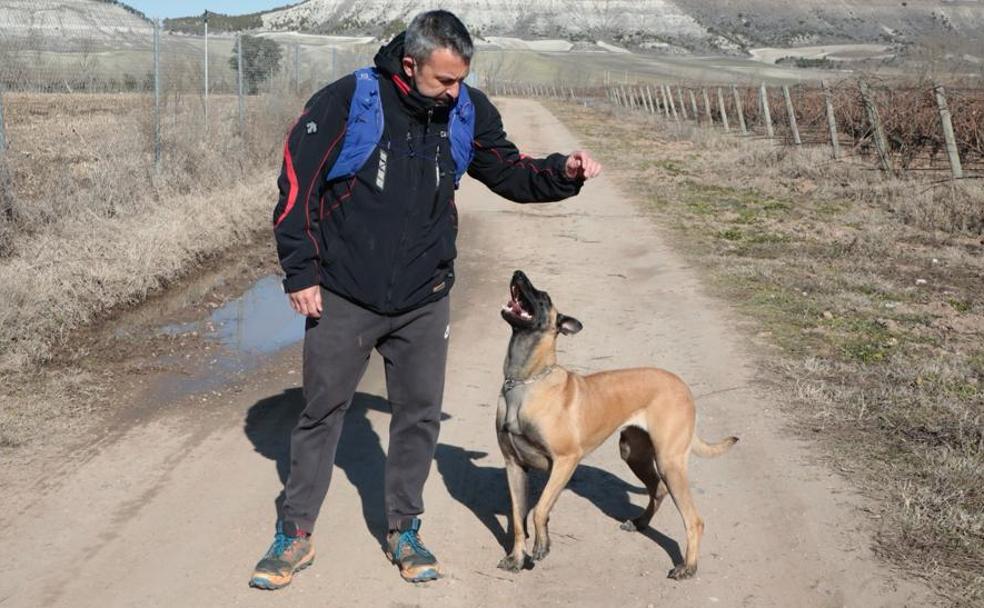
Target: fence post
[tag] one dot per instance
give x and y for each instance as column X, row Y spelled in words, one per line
column 792, row 115
column 693, row 105
column 724, row 110
column 739, row 110
column 239, row 82
column 831, row 119
column 880, row 144
column 3, row 136
column 666, row 104
column 683, row 106
column 297, row 69
column 157, row 96
column 951, row 140
column 669, row 96
column 707, row 107
column 206, row 70
column 766, row 115
column 653, row 101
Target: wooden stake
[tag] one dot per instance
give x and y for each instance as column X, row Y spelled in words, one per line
column 949, row 137
column 792, row 116
column 724, row 111
column 739, row 110
column 766, row 115
column 831, row 120
column 881, row 145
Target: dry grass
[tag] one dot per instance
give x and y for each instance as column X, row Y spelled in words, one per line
column 872, row 290
column 89, row 225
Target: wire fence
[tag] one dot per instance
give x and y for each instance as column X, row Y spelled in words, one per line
column 901, row 127
column 186, row 78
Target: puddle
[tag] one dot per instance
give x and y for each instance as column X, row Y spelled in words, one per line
column 258, row 322
column 240, row 335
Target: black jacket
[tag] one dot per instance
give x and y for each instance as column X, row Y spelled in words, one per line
column 387, row 242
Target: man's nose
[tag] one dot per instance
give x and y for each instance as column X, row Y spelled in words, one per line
column 454, row 89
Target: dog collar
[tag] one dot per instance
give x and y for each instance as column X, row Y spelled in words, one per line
column 510, row 383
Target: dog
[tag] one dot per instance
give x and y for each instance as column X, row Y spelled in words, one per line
column 550, row 418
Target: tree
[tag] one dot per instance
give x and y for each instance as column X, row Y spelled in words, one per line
column 261, row 60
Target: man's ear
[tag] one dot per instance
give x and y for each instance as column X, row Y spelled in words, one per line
column 408, row 66
column 568, row 325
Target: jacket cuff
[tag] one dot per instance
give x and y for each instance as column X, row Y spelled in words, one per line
column 301, row 280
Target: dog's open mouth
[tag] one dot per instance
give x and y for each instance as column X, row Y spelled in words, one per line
column 516, row 307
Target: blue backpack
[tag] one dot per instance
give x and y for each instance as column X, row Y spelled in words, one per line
column 364, row 128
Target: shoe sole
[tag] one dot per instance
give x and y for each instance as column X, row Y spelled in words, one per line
column 423, row 577
column 267, row 584
column 430, row 574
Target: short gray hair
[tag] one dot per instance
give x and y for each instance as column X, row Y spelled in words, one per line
column 437, row 30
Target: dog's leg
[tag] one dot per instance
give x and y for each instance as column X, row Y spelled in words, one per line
column 637, row 451
column 560, row 474
column 674, row 473
column 516, row 475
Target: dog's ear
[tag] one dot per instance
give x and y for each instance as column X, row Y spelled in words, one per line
column 568, row 325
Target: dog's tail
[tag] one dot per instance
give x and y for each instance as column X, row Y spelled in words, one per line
column 710, row 450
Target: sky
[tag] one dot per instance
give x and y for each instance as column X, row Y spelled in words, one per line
column 187, row 8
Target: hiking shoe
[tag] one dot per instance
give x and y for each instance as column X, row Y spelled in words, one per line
column 290, row 552
column 405, row 549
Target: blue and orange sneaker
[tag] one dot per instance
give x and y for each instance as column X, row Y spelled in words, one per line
column 405, row 549
column 291, row 551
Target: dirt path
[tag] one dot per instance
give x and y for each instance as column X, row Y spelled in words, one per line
column 175, row 511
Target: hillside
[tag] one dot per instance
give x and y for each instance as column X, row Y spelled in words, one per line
column 728, row 25
column 66, row 20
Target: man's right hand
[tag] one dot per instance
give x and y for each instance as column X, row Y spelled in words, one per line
column 307, row 301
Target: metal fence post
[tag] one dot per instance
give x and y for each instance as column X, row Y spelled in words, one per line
column 297, row 69
column 951, row 141
column 3, row 135
column 792, row 116
column 881, row 145
column 157, row 95
column 239, row 81
column 206, row 70
column 766, row 115
column 739, row 110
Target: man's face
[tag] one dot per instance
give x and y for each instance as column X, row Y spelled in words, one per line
column 440, row 76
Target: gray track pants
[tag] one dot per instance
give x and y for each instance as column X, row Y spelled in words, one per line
column 337, row 346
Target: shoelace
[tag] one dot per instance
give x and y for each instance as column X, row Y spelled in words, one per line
column 281, row 542
column 410, row 537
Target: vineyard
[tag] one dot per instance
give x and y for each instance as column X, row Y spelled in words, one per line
column 903, row 127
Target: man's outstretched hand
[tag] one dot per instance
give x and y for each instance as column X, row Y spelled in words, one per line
column 581, row 165
column 307, row 301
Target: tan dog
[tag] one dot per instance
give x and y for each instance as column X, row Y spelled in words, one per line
column 550, row 418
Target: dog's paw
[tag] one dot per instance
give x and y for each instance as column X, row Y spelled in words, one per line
column 629, row 525
column 511, row 563
column 682, row 571
column 540, row 552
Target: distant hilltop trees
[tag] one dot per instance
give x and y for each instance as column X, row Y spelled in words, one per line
column 125, row 7
column 216, row 22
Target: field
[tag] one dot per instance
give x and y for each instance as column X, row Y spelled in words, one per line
column 870, row 295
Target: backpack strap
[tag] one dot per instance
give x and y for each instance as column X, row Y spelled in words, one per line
column 461, row 132
column 364, row 127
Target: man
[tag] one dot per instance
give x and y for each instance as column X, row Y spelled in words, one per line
column 365, row 230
